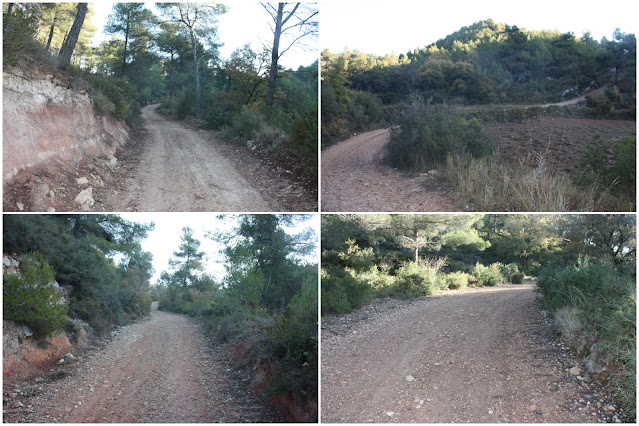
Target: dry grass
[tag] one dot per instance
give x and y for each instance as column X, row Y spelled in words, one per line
column 489, row 184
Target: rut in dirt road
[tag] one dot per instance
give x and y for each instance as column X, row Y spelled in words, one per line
column 157, row 370
column 355, row 180
column 180, row 170
column 474, row 355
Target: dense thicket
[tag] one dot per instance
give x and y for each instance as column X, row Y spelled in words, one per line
column 586, row 266
column 485, row 62
column 173, row 59
column 96, row 259
column 267, row 300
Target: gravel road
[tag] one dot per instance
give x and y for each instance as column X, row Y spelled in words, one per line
column 473, row 355
column 159, row 370
column 355, row 180
column 180, row 169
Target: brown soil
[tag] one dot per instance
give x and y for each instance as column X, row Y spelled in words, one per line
column 561, row 141
column 355, row 180
column 170, row 166
column 158, row 370
column 474, row 355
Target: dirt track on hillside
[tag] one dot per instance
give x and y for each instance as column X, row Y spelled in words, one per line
column 355, row 180
column 159, row 370
column 180, row 170
column 473, row 355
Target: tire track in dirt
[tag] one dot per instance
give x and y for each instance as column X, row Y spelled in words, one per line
column 181, row 170
column 473, row 355
column 155, row 371
column 355, row 180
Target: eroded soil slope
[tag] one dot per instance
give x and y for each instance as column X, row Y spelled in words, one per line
column 155, row 371
column 355, row 180
column 474, row 355
column 168, row 165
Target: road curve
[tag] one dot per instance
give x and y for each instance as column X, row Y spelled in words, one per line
column 355, row 180
column 474, row 355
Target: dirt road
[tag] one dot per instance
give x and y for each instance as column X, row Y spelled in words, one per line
column 473, row 355
column 157, row 370
column 180, row 170
column 355, row 180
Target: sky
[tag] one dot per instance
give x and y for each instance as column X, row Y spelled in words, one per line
column 245, row 22
column 165, row 238
column 399, row 26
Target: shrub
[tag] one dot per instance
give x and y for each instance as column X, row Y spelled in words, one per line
column 101, row 104
column 455, row 280
column 414, row 280
column 595, row 306
column 341, row 292
column 486, row 275
column 380, row 281
column 428, row 133
column 246, row 125
column 32, row 298
column 517, row 277
column 356, row 258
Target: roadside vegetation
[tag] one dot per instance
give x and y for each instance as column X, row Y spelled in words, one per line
column 265, row 306
column 87, row 267
column 171, row 56
column 441, row 100
column 584, row 266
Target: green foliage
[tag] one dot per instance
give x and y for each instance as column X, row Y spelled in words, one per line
column 487, row 275
column 454, row 280
column 32, row 298
column 246, row 125
column 76, row 246
column 603, row 302
column 618, row 174
column 427, row 134
column 341, row 292
column 414, row 280
column 356, row 258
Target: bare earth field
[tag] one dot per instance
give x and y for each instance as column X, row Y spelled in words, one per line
column 355, row 180
column 560, row 140
column 474, row 355
column 160, row 370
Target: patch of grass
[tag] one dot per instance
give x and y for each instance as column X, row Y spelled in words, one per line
column 489, row 184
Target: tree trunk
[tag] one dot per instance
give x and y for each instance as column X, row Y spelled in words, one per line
column 272, row 76
column 126, row 41
column 198, row 112
column 55, row 18
column 9, row 9
column 72, row 38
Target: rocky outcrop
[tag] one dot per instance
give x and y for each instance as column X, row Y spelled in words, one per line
column 48, row 116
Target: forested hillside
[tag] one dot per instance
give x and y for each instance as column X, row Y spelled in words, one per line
column 508, row 117
column 170, row 55
column 585, row 265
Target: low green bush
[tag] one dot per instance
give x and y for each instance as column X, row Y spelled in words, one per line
column 454, row 280
column 601, row 326
column 487, row 275
column 32, row 298
column 517, row 277
column 414, row 280
column 427, row 134
column 341, row 292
